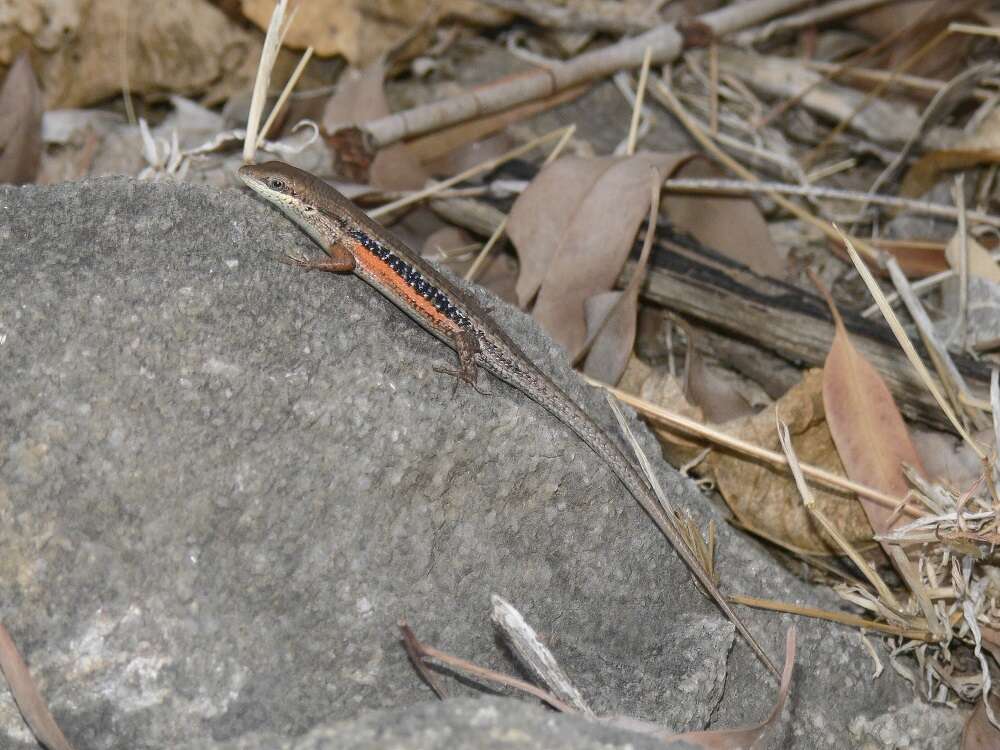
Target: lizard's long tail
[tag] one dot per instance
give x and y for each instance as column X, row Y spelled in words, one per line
column 550, row 396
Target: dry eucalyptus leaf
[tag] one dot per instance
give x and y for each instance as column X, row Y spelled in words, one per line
column 20, row 124
column 980, row 262
column 360, row 97
column 362, row 30
column 84, row 49
column 866, row 426
column 573, row 228
column 610, row 351
column 765, row 499
column 732, row 225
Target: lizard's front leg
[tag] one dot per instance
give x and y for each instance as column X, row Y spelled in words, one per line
column 339, row 260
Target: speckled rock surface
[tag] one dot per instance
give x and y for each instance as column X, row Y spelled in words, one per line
column 457, row 724
column 223, row 481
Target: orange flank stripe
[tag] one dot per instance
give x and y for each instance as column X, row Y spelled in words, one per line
column 393, row 280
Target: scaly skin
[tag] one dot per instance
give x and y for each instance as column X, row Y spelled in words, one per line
column 356, row 243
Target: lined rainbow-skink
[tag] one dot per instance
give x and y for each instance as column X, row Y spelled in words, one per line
column 355, row 243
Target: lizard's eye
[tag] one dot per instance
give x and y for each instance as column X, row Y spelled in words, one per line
column 277, row 183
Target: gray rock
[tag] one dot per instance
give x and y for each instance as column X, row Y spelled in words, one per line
column 458, row 724
column 223, row 481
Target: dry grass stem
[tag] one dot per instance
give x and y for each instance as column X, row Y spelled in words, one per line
column 268, row 55
column 425, row 652
column 667, row 97
column 480, row 260
column 285, row 92
column 957, row 389
column 742, row 187
column 911, row 634
column 907, row 347
column 705, row 432
column 486, row 166
column 809, row 501
column 640, row 95
column 975, row 29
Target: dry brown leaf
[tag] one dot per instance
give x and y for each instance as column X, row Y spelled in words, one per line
column 980, row 262
column 765, row 499
column 717, row 397
column 732, row 225
column 866, row 425
column 610, row 351
column 612, row 317
column 573, row 228
column 979, row 733
column 20, row 124
column 361, row 30
column 659, row 387
column 917, row 258
column 926, row 171
column 360, row 97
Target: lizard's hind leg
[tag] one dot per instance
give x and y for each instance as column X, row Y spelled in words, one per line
column 467, row 347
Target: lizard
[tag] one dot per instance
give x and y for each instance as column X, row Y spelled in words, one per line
column 353, row 242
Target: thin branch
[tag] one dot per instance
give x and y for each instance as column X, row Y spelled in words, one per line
column 705, row 185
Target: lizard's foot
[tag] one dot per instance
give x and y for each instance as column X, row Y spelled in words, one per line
column 462, row 375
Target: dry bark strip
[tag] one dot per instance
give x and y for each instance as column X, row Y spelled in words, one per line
column 720, row 294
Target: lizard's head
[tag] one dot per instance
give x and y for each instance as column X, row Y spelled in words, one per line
column 289, row 188
column 274, row 180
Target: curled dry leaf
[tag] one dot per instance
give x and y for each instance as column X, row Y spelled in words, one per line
column 866, row 425
column 765, row 499
column 573, row 228
column 20, row 124
column 663, row 389
column 360, row 97
column 762, row 497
